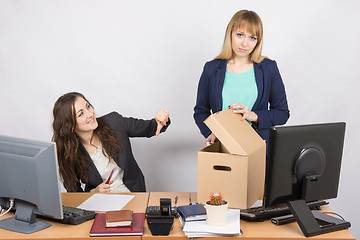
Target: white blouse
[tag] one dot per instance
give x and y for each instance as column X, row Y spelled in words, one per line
column 104, row 167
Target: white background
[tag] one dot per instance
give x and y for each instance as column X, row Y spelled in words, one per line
column 138, row 56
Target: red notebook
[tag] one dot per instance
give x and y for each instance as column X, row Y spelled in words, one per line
column 99, row 228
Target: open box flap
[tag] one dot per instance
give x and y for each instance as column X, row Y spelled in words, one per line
column 237, row 135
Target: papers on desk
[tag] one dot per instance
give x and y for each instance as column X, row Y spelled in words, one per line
column 106, row 202
column 203, row 229
column 258, row 203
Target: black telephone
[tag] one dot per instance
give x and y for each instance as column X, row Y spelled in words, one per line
column 164, row 209
column 160, row 219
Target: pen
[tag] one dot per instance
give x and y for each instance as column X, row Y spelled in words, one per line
column 108, row 180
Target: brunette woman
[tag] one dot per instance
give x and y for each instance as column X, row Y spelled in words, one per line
column 90, row 148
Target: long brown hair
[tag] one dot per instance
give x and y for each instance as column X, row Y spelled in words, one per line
column 244, row 20
column 72, row 161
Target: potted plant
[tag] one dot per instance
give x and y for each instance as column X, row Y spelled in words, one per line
column 216, row 209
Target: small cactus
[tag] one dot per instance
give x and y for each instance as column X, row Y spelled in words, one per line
column 216, row 198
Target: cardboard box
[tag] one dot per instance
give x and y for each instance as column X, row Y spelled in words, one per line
column 234, row 165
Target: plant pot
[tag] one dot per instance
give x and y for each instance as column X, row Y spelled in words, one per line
column 216, row 214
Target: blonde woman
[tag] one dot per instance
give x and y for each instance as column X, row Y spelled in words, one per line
column 240, row 78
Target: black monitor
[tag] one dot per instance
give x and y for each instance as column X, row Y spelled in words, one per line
column 29, row 175
column 303, row 165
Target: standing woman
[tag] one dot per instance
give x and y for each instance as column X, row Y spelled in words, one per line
column 90, row 148
column 240, row 78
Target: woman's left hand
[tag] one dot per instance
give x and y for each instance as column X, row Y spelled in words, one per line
column 245, row 111
column 161, row 118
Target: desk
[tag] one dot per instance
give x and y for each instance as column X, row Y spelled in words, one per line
column 251, row 230
column 254, row 231
column 79, row 232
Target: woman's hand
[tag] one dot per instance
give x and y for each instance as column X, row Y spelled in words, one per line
column 209, row 140
column 102, row 187
column 161, row 118
column 245, row 111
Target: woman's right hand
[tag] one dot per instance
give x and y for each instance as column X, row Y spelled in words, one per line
column 209, row 140
column 102, row 187
column 162, row 117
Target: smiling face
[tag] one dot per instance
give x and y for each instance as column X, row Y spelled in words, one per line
column 85, row 116
column 243, row 43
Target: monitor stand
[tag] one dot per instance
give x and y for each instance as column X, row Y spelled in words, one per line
column 313, row 222
column 24, row 221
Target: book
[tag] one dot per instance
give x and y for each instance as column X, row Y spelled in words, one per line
column 118, row 218
column 99, row 229
column 195, row 212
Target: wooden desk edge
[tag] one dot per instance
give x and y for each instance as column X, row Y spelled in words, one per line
column 58, row 231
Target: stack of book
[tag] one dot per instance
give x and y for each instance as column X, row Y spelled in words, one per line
column 118, row 223
column 194, row 229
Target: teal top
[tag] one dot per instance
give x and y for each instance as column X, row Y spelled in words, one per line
column 239, row 88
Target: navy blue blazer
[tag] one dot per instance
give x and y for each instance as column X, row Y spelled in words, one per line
column 126, row 128
column 271, row 104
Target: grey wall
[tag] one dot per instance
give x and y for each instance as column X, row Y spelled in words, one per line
column 137, row 56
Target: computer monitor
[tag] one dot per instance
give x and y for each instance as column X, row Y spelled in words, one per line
column 303, row 165
column 29, row 175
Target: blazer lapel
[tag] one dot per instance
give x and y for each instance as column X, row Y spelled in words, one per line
column 259, row 77
column 219, row 84
column 93, row 173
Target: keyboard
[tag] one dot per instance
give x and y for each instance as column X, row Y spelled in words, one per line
column 74, row 216
column 261, row 214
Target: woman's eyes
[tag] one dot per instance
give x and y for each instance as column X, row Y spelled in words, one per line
column 252, row 38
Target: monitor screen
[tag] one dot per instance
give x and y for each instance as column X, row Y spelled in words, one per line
column 29, row 175
column 303, row 163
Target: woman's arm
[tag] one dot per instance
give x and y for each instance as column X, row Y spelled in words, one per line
column 202, row 107
column 135, row 127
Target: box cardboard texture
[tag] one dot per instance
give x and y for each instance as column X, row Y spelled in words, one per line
column 234, row 165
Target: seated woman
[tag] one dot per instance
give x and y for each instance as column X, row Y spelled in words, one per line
column 90, row 148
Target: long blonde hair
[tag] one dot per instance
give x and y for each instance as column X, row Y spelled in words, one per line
column 245, row 20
